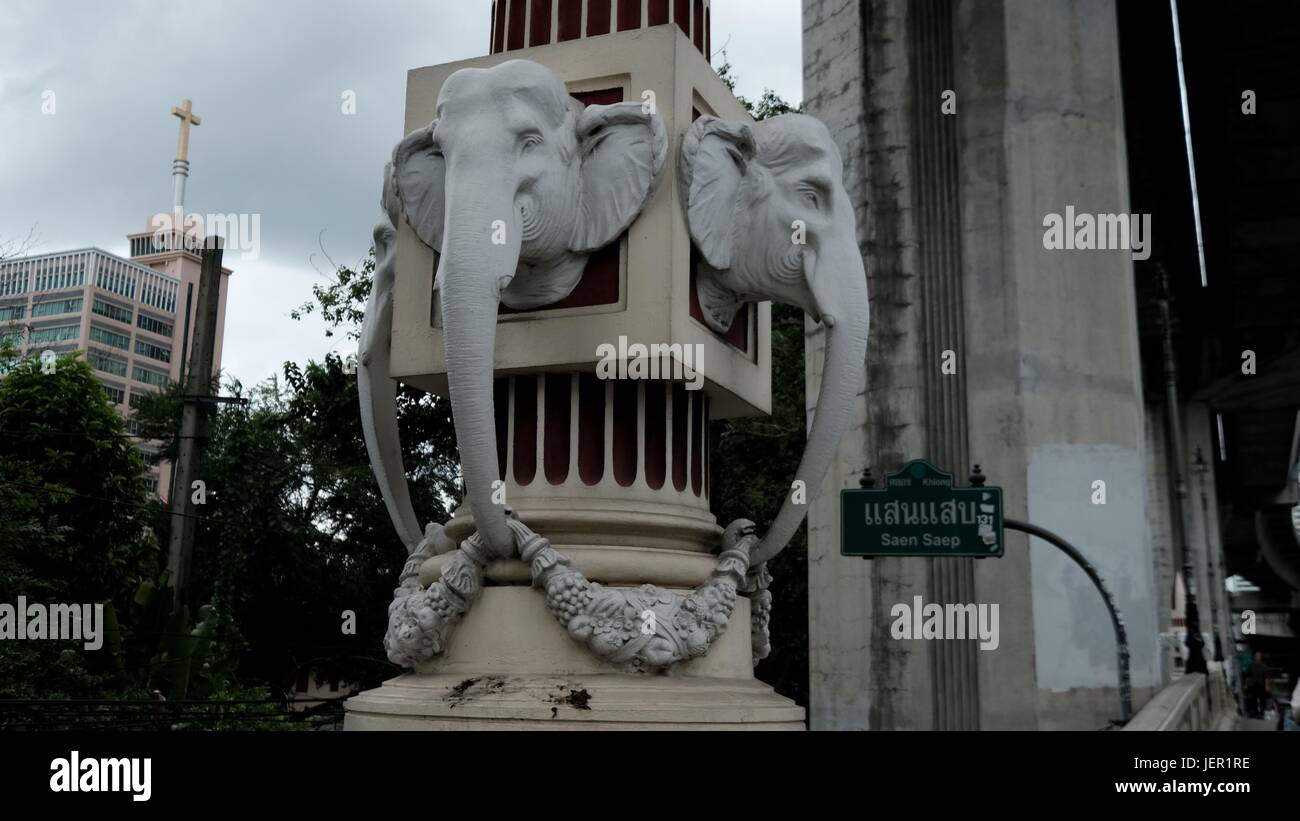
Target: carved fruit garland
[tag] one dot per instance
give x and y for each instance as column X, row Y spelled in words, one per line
column 640, row 628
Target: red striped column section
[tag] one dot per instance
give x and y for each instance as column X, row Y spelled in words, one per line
column 583, row 431
column 518, row 24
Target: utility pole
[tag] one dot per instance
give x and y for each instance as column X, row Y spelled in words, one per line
column 1178, row 500
column 194, row 419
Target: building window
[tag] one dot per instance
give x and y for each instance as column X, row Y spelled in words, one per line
column 151, row 482
column 107, row 364
column 154, row 326
column 111, row 311
column 153, row 351
column 109, row 338
column 59, row 333
column 58, row 306
column 149, row 377
column 10, row 313
column 115, row 395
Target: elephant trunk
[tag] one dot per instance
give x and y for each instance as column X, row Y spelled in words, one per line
column 480, row 252
column 839, row 285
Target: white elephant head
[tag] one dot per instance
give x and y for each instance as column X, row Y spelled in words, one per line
column 514, row 184
column 767, row 209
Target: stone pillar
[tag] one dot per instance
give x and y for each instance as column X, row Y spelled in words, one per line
column 612, row 471
column 1046, row 395
column 519, row 24
column 1053, row 365
column 1205, row 532
column 856, row 73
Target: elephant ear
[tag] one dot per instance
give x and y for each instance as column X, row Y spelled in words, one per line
column 418, row 178
column 714, row 159
column 623, row 148
column 388, row 202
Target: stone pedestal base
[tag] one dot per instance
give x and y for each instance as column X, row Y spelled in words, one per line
column 510, row 665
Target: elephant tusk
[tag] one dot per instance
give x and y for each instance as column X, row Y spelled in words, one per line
column 378, row 394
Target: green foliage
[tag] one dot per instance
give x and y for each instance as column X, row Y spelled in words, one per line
column 343, row 301
column 294, row 531
column 769, row 104
column 159, row 651
column 77, row 527
column 74, row 510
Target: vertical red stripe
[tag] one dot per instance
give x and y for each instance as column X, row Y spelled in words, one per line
column 555, row 444
column 525, row 429
column 708, row 428
column 697, row 442
column 682, row 15
column 501, row 414
column 625, row 430
column 658, row 12
column 499, row 27
column 591, row 428
column 539, row 26
column 629, row 14
column 680, row 408
column 515, row 33
column 656, row 440
column 597, row 17
column 570, row 20
column 697, row 24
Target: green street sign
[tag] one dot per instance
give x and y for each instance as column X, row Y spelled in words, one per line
column 920, row 513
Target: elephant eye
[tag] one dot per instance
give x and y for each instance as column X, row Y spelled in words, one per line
column 811, row 194
column 529, row 141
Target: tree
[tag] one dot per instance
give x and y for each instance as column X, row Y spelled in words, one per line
column 293, row 530
column 769, row 104
column 75, row 516
column 343, row 301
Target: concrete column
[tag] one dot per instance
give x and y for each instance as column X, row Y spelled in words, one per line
column 1158, row 524
column 859, row 677
column 1046, row 396
column 1205, row 533
column 1052, row 354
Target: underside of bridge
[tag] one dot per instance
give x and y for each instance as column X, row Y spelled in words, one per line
column 1247, row 309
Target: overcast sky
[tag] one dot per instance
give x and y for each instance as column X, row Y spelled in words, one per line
column 266, row 78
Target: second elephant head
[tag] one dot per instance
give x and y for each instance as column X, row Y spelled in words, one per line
column 514, row 183
column 767, row 209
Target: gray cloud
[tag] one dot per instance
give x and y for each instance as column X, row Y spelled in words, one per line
column 267, row 79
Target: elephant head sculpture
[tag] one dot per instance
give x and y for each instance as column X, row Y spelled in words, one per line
column 767, row 209
column 515, row 183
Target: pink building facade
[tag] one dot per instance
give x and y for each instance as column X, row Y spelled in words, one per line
column 133, row 317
